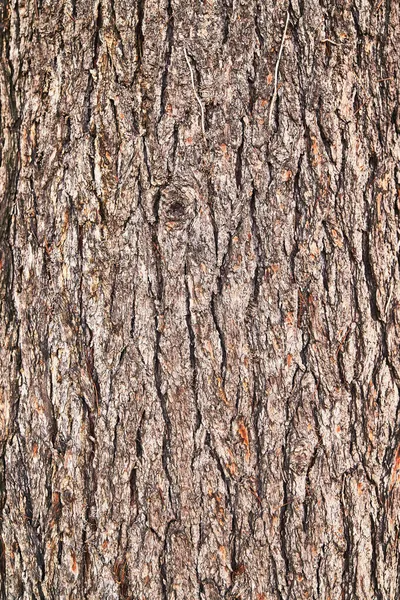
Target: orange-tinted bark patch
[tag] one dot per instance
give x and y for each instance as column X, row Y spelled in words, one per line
column 74, row 566
column 244, row 436
column 395, row 471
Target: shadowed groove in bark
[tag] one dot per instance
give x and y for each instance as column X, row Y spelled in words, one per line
column 259, row 272
column 158, row 300
column 227, row 19
column 169, row 40
column 139, row 31
column 239, row 159
column 221, row 337
column 192, row 349
column 10, row 170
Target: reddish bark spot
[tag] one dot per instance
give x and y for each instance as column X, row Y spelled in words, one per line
column 221, row 391
column 74, row 566
column 244, row 436
column 395, row 471
column 239, row 570
column 231, row 465
column 397, row 460
column 289, row 318
column 222, row 551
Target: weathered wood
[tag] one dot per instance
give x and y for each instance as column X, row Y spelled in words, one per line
column 200, row 299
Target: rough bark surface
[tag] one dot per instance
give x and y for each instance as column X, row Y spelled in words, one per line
column 200, row 299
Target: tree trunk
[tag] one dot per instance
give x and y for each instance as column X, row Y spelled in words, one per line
column 200, row 299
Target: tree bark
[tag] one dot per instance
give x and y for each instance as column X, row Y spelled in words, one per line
column 200, row 299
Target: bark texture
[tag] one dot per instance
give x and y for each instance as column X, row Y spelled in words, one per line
column 200, row 299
